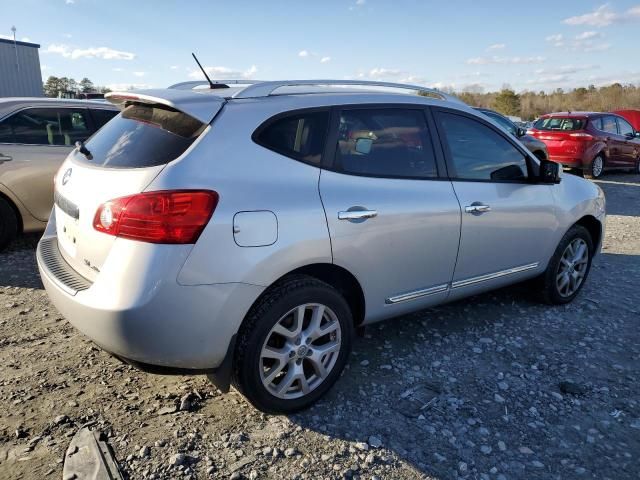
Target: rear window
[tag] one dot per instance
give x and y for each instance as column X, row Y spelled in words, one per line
column 560, row 123
column 143, row 136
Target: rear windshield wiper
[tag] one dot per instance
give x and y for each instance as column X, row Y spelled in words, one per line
column 84, row 150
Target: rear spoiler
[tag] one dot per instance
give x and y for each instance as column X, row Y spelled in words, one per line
column 200, row 106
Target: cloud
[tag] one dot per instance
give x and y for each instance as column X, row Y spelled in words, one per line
column 224, row 73
column 118, row 69
column 495, row 60
column 67, row 35
column 566, row 69
column 128, row 86
column 497, row 46
column 588, row 35
column 360, row 2
column 603, row 16
column 139, row 74
column 69, row 2
column 104, row 53
column 303, row 53
column 379, row 72
column 557, row 40
column 174, row 67
column 325, row 59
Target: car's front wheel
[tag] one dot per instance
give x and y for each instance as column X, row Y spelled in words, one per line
column 569, row 267
column 293, row 345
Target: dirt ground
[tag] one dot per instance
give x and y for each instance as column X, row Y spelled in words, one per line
column 493, row 387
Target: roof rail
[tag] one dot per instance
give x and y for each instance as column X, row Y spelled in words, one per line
column 264, row 89
column 197, row 83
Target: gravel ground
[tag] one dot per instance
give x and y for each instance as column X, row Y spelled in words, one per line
column 492, row 387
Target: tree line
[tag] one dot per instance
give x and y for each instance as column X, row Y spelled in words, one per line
column 54, row 86
column 530, row 105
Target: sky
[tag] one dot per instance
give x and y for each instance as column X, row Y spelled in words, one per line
column 470, row 45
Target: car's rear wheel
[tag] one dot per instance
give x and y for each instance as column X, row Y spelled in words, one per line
column 569, row 267
column 293, row 345
column 596, row 168
column 8, row 224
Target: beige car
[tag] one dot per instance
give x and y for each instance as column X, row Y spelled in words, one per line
column 36, row 135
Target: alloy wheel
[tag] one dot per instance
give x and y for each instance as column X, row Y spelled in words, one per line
column 573, row 267
column 597, row 167
column 300, row 351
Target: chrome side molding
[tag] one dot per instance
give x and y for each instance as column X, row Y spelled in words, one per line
column 491, row 276
column 404, row 297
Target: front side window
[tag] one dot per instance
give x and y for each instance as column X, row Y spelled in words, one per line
column 479, row 153
column 386, row 142
column 46, row 126
column 624, row 127
column 301, row 136
column 609, row 125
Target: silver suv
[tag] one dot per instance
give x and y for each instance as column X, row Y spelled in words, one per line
column 246, row 231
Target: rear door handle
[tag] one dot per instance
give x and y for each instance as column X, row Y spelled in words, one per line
column 477, row 208
column 357, row 214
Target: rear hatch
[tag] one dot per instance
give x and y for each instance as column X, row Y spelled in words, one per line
column 122, row 159
column 564, row 136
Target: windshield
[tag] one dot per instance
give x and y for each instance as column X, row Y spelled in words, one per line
column 560, row 123
column 143, row 136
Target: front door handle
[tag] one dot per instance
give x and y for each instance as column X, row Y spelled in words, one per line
column 357, row 214
column 4, row 158
column 477, row 208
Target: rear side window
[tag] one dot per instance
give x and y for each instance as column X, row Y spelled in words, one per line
column 609, row 124
column 143, row 136
column 386, row 142
column 46, row 126
column 100, row 117
column 479, row 153
column 301, row 136
column 560, row 123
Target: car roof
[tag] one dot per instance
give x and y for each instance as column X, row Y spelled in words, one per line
column 11, row 104
column 571, row 114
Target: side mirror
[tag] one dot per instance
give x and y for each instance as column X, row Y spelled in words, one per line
column 637, row 134
column 631, row 135
column 549, row 172
column 521, row 132
column 363, row 145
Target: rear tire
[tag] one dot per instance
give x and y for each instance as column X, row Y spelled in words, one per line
column 8, row 224
column 568, row 269
column 282, row 351
column 596, row 168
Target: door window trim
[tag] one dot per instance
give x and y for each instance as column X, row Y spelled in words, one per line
column 88, row 118
column 532, row 166
column 332, row 139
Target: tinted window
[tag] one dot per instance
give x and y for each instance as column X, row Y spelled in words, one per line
column 100, row 117
column 46, row 126
column 385, row 142
column 624, row 127
column 480, row 153
column 300, row 136
column 143, row 136
column 560, row 123
column 6, row 132
column 597, row 123
column 503, row 122
column 609, row 125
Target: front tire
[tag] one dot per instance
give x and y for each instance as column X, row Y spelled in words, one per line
column 568, row 268
column 293, row 345
column 8, row 224
column 596, row 168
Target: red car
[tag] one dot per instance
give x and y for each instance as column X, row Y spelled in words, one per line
column 589, row 142
column 632, row 116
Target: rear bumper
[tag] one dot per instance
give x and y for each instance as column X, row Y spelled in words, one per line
column 153, row 321
column 567, row 161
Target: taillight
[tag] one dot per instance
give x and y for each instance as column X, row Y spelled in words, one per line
column 169, row 216
column 581, row 135
column 531, row 132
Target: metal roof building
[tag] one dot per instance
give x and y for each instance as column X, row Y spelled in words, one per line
column 20, row 74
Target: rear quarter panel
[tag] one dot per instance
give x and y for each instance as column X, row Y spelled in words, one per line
column 249, row 178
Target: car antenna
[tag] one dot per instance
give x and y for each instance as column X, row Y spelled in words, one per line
column 212, row 85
